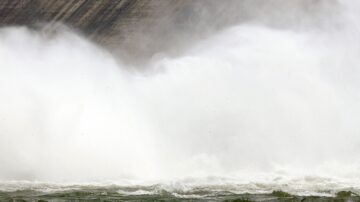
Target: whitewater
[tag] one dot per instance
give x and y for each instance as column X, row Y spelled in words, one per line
column 249, row 109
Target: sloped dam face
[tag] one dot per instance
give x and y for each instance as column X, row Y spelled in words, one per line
column 170, row 100
column 141, row 27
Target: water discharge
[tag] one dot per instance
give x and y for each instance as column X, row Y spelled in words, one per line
column 251, row 104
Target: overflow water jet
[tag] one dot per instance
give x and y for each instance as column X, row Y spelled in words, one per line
column 249, row 106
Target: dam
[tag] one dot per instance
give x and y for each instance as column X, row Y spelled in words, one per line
column 143, row 28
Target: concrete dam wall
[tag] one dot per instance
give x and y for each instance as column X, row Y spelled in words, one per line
column 140, row 28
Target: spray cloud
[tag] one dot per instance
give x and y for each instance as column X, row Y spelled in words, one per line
column 249, row 99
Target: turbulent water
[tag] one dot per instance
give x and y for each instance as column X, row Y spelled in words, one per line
column 250, row 109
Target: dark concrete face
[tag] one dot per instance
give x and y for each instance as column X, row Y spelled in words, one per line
column 138, row 29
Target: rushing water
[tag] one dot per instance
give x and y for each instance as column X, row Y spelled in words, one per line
column 250, row 109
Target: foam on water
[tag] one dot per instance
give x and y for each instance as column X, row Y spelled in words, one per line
column 251, row 108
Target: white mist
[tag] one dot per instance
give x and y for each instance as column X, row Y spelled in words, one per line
column 250, row 103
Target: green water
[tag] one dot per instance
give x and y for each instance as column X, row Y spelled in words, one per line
column 130, row 194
